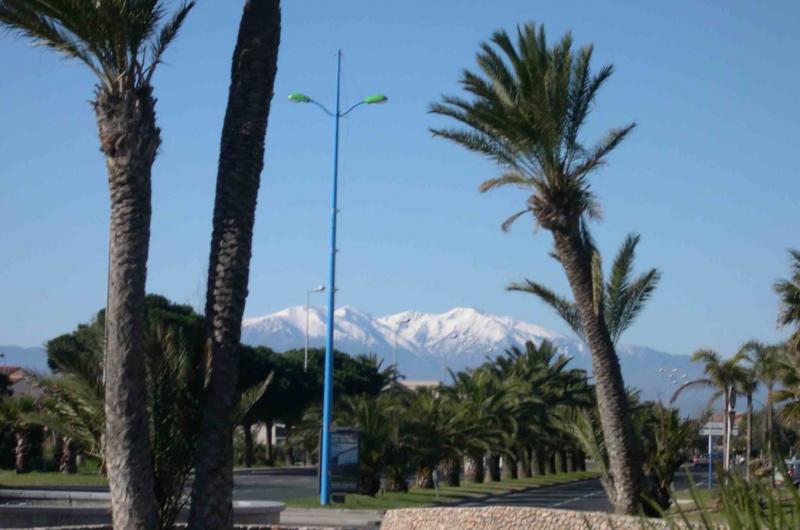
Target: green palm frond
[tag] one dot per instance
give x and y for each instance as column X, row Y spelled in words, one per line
column 565, row 308
column 120, row 42
column 529, row 102
column 789, row 293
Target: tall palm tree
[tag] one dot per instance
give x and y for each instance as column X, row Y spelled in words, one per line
column 747, row 386
column 623, row 297
column 722, row 375
column 789, row 292
column 529, row 105
column 765, row 360
column 122, row 43
column 241, row 160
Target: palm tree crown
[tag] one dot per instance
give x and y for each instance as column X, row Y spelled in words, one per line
column 622, row 297
column 121, row 42
column 789, row 292
column 526, row 115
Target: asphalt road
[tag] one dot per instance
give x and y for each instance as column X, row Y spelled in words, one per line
column 274, row 484
column 585, row 495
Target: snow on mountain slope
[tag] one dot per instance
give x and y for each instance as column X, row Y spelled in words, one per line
column 461, row 338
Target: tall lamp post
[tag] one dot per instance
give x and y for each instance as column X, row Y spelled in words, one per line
column 327, row 396
column 308, row 301
column 396, row 331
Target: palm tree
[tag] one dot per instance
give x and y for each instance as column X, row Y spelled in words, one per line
column 485, row 415
column 747, row 386
column 789, row 291
column 623, row 298
column 241, row 160
column 14, row 413
column 766, row 364
column 527, row 114
column 122, row 43
column 722, row 375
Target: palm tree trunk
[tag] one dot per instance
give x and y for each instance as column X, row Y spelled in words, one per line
column 509, row 468
column 768, row 423
column 451, row 469
column 624, row 459
column 248, row 445
column 21, row 451
column 524, row 465
column 493, row 462
column 749, row 434
column 68, row 463
column 561, row 461
column 551, row 463
column 540, row 462
column 473, row 468
column 269, row 444
column 129, row 139
column 570, row 461
column 240, row 163
column 726, row 439
column 424, row 477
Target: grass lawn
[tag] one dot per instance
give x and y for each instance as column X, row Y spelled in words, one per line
column 426, row 497
column 10, row 479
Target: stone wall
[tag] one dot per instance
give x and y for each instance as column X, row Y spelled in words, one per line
column 249, row 527
column 511, row 518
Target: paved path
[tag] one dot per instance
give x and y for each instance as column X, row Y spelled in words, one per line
column 585, row 495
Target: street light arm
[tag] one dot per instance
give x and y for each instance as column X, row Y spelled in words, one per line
column 345, row 113
column 324, row 109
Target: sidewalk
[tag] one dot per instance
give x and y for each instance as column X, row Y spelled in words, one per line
column 349, row 519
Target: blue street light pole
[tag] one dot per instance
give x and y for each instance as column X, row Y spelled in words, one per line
column 327, row 398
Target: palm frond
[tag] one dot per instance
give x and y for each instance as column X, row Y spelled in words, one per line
column 565, row 308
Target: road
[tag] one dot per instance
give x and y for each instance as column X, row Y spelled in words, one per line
column 274, row 484
column 585, row 495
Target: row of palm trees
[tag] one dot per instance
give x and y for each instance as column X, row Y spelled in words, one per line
column 511, row 407
column 526, row 408
column 122, row 44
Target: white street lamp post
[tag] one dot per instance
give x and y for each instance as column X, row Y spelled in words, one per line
column 308, row 299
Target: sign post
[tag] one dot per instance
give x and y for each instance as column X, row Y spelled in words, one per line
column 714, row 428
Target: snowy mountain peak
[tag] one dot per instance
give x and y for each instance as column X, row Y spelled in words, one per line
column 461, row 337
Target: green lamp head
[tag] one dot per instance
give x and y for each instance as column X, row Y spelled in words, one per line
column 376, row 98
column 297, row 97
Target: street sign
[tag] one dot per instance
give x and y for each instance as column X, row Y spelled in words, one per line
column 717, row 431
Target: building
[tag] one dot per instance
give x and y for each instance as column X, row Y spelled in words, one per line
column 22, row 382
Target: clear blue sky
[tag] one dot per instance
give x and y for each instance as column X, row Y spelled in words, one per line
column 709, row 178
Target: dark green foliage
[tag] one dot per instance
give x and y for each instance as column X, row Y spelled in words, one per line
column 789, row 293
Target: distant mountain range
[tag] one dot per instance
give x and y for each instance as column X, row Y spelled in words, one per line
column 462, row 337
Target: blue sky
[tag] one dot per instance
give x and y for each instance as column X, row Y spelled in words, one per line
column 709, row 179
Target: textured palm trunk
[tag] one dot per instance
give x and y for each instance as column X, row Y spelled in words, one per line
column 396, row 482
column 550, row 464
column 68, row 461
column 248, row 445
column 451, row 469
column 540, row 461
column 269, row 444
column 129, row 139
column 624, row 459
column 575, row 460
column 22, row 449
column 509, row 468
column 726, row 427
column 524, row 467
column 570, row 461
column 493, row 464
column 749, row 434
column 240, row 163
column 473, row 468
column 768, row 423
column 561, row 461
column 424, row 477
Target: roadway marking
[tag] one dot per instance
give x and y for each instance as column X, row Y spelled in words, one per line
column 579, row 498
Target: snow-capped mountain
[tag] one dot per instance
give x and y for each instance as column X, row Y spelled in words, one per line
column 461, row 338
